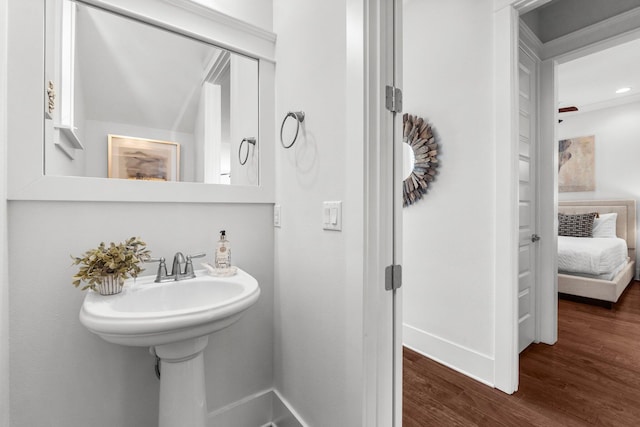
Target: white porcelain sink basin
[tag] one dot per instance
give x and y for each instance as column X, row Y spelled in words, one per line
column 176, row 319
column 151, row 314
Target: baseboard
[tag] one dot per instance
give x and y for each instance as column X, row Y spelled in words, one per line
column 263, row 409
column 284, row 415
column 459, row 358
column 254, row 410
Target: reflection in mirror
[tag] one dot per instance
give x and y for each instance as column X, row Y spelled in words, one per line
column 113, row 75
column 408, row 160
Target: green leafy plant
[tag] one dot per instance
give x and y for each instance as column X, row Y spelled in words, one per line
column 121, row 260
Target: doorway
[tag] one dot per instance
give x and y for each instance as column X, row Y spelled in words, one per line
column 498, row 364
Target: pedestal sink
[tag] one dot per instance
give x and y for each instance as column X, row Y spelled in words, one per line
column 175, row 318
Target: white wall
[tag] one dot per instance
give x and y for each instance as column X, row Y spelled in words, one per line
column 616, row 132
column 317, row 360
column 61, row 375
column 448, row 236
column 4, row 281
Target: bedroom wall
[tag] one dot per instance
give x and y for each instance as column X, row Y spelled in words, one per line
column 616, row 132
column 449, row 255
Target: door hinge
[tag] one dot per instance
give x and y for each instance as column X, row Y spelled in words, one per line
column 393, row 277
column 393, row 99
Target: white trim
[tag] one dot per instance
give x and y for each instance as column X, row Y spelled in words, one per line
column 609, row 103
column 379, row 371
column 4, row 279
column 397, row 200
column 459, row 358
column 223, row 33
column 506, row 89
column 535, row 165
column 522, row 6
column 67, row 36
column 506, row 204
column 264, row 408
column 531, row 42
column 224, row 19
column 292, row 414
column 255, row 409
column 375, row 71
column 362, row 356
column 619, row 26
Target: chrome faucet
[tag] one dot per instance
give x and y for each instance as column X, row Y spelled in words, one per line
column 178, row 260
column 177, row 273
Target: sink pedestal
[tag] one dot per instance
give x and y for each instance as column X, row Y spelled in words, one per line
column 176, row 319
column 182, row 390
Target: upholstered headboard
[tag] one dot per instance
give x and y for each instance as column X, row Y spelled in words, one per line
column 626, row 220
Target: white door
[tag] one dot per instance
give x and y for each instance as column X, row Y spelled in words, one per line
column 527, row 201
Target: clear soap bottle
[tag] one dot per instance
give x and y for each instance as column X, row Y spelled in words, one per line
column 223, row 252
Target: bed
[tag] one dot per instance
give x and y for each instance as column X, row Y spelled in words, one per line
column 605, row 288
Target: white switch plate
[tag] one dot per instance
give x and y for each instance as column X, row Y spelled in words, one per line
column 332, row 216
column 277, row 215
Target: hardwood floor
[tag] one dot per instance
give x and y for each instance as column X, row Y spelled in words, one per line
column 590, row 377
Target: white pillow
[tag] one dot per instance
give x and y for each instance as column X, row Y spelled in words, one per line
column 605, row 226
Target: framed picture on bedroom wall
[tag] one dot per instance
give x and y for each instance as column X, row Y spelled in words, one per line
column 143, row 159
column 576, row 164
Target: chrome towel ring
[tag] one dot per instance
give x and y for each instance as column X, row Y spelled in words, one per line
column 299, row 116
column 250, row 140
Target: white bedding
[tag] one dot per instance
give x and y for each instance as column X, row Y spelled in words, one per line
column 593, row 256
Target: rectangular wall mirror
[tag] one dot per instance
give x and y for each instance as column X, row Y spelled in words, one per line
column 128, row 100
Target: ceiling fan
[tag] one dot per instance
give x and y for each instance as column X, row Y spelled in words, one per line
column 566, row 110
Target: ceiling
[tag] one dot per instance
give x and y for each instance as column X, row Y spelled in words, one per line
column 133, row 73
column 590, row 82
column 561, row 17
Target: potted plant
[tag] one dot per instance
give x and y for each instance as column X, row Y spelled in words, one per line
column 105, row 268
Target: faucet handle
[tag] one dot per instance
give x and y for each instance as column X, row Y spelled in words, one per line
column 162, row 268
column 188, row 269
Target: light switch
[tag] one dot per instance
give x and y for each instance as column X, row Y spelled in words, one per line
column 332, row 216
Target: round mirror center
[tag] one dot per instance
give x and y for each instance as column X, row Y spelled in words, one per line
column 408, row 160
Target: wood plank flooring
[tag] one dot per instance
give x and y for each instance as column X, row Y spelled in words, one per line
column 590, row 377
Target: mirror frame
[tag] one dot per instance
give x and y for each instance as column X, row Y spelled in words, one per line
column 26, row 95
column 417, row 133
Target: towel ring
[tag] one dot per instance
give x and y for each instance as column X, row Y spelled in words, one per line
column 251, row 140
column 299, row 116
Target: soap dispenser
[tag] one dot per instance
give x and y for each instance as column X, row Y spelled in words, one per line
column 223, row 252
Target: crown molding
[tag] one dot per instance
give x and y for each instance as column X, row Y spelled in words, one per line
column 522, row 6
column 619, row 26
column 609, row 103
column 224, row 19
column 529, row 38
